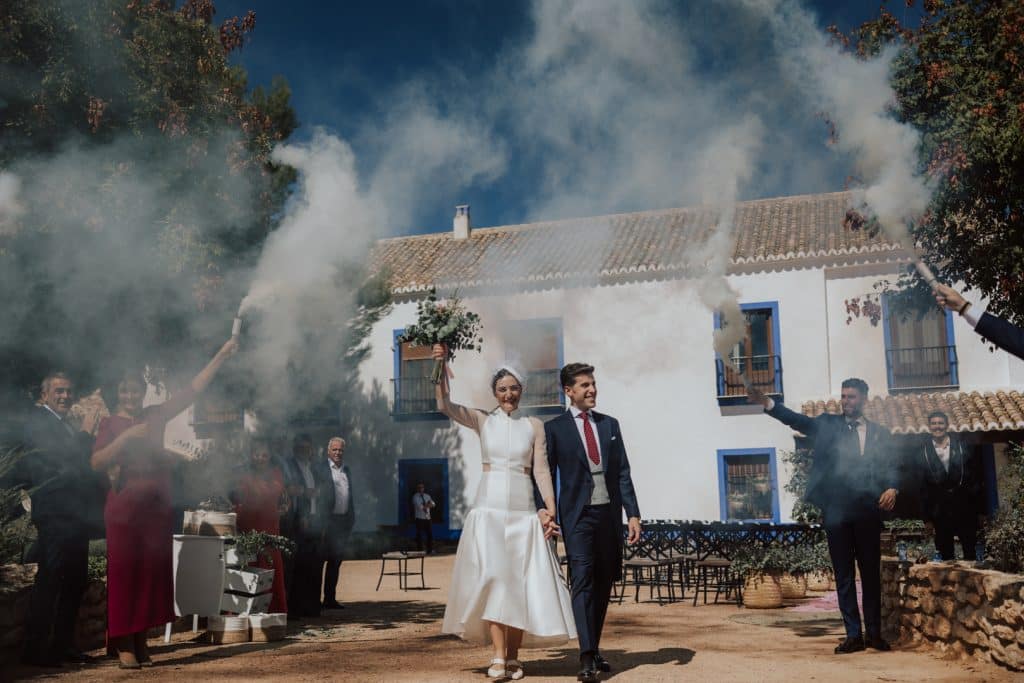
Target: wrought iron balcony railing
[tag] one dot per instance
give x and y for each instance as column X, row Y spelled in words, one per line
column 928, row 367
column 415, row 395
column 764, row 372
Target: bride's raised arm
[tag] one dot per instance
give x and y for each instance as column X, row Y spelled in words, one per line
column 467, row 417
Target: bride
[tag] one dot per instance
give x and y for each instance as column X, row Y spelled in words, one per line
column 506, row 584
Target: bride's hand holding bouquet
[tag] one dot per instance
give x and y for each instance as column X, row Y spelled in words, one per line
column 447, row 325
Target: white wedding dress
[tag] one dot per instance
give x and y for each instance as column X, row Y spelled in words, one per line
column 505, row 571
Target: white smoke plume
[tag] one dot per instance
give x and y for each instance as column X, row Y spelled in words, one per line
column 10, row 208
column 857, row 96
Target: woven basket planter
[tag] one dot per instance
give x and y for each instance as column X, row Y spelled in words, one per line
column 762, row 591
column 820, row 581
column 793, row 586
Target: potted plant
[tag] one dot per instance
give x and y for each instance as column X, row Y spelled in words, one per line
column 819, row 576
column 794, row 579
column 760, row 569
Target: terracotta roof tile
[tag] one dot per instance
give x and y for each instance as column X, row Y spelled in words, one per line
column 968, row 412
column 770, row 234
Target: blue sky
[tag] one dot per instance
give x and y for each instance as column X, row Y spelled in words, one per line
column 498, row 105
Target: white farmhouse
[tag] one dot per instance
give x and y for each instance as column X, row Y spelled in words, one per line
column 614, row 291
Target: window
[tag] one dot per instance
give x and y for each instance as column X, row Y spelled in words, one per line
column 747, row 485
column 920, row 352
column 535, row 347
column 758, row 355
column 413, row 391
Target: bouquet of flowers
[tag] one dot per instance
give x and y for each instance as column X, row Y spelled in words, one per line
column 443, row 322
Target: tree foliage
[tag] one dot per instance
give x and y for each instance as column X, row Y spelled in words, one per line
column 959, row 79
column 146, row 182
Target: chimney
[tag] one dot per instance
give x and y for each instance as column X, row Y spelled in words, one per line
column 460, row 223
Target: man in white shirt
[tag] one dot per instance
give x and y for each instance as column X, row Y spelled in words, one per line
column 340, row 519
column 422, row 504
column 951, row 491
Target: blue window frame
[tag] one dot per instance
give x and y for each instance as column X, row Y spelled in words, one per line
column 434, row 473
column 759, row 355
column 920, row 351
column 748, row 485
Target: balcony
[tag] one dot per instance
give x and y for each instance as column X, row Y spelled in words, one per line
column 414, row 396
column 922, row 369
column 764, row 372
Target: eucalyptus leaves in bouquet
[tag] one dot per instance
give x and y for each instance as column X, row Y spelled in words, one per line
column 250, row 545
column 443, row 322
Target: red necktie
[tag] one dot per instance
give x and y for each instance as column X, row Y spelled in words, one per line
column 588, row 436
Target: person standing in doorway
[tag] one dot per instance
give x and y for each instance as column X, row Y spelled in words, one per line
column 422, row 507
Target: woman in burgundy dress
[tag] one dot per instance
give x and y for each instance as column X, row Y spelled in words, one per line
column 139, row 515
column 260, row 500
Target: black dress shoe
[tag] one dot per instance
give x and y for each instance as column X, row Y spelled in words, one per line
column 333, row 605
column 602, row 664
column 877, row 643
column 587, row 675
column 850, row 645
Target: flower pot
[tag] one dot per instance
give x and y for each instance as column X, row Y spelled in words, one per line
column 268, row 627
column 793, row 586
column 820, row 581
column 250, row 580
column 762, row 591
column 232, row 558
column 225, row 630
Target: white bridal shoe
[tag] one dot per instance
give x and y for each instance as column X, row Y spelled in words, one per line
column 515, row 669
column 497, row 668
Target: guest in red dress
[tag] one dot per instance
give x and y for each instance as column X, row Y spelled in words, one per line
column 139, row 514
column 260, row 500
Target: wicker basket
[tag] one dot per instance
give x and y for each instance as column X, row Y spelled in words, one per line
column 762, row 591
column 793, row 586
column 820, row 581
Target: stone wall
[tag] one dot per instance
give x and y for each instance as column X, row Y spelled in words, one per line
column 16, row 587
column 956, row 609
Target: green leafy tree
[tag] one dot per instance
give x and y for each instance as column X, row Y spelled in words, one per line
column 147, row 188
column 959, row 79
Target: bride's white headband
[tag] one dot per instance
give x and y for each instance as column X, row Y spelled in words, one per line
column 512, row 371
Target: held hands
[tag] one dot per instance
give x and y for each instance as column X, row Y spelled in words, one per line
column 439, row 352
column 633, row 523
column 91, row 422
column 547, row 522
column 887, row 501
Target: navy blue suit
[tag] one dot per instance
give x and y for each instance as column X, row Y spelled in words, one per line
column 846, row 486
column 1003, row 334
column 592, row 533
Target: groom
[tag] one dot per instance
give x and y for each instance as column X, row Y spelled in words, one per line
column 586, row 455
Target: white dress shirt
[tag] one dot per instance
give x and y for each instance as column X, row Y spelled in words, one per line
column 600, row 494
column 419, row 504
column 341, row 489
column 943, row 453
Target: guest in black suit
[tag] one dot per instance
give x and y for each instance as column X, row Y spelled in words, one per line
column 309, row 488
column 339, row 515
column 853, row 476
column 1002, row 333
column 951, row 491
column 67, row 510
column 586, row 453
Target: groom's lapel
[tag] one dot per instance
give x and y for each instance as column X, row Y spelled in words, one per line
column 604, row 438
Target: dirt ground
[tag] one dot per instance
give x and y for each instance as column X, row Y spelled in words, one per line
column 393, row 635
